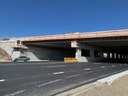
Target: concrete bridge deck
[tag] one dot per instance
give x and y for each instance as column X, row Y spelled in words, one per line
column 70, row 36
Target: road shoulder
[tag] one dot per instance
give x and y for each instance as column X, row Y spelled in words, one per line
column 115, row 85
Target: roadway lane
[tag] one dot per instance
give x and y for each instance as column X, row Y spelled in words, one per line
column 49, row 78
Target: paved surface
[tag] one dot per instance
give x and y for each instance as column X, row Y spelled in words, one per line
column 50, row 78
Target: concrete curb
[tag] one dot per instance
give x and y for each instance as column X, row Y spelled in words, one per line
column 108, row 80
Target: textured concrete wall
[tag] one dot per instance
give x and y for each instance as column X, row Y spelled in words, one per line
column 42, row 53
column 15, row 54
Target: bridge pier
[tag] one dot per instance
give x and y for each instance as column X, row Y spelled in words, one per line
column 87, row 53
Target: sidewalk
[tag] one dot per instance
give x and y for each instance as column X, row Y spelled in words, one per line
column 118, row 88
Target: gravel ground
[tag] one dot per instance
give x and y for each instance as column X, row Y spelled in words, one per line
column 118, row 88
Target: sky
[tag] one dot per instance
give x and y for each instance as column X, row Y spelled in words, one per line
column 25, row 18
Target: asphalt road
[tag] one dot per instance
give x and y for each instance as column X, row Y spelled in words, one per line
column 50, row 78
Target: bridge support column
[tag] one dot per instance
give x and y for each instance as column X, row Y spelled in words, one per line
column 108, row 55
column 127, row 58
column 86, row 53
column 116, row 56
column 113, row 55
column 78, row 53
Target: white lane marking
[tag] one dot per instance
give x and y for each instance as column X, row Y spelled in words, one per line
column 56, row 73
column 47, row 83
column 86, row 69
column 2, row 80
column 79, row 74
column 16, row 93
column 103, row 66
column 73, row 76
column 113, row 65
column 55, row 66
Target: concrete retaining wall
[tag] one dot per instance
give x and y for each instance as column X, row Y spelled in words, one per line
column 42, row 53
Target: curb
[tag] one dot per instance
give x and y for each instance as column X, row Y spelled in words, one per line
column 109, row 80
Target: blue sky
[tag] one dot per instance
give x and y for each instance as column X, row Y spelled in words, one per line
column 21, row 18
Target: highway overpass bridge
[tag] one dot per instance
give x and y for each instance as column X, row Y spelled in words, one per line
column 108, row 46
